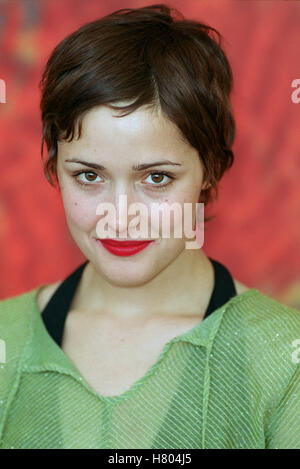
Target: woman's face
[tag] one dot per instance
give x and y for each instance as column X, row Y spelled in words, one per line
column 119, row 144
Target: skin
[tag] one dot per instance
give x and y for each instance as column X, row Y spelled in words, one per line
column 126, row 309
column 126, row 286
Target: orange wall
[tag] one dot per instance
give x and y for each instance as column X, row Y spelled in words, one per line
column 255, row 232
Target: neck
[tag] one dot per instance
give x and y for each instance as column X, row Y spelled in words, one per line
column 182, row 289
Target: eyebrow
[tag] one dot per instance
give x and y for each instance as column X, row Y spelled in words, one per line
column 138, row 167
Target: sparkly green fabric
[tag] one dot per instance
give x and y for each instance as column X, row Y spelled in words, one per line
column 232, row 381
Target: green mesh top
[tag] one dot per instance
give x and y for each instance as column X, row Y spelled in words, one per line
column 232, row 381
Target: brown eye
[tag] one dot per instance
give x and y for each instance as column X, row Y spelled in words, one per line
column 156, row 177
column 86, row 178
column 90, row 176
column 160, row 180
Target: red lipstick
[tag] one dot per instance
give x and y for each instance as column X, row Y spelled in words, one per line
column 123, row 248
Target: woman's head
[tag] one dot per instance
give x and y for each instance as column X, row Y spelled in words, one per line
column 143, row 157
column 173, row 81
column 149, row 58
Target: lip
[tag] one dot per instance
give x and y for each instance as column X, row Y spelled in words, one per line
column 123, row 248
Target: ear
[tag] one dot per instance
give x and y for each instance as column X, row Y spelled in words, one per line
column 206, row 185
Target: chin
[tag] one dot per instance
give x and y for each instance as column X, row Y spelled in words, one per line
column 128, row 276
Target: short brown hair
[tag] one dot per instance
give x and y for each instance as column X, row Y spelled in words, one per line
column 147, row 56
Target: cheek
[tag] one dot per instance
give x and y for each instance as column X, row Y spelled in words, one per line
column 80, row 212
column 171, row 214
column 182, row 220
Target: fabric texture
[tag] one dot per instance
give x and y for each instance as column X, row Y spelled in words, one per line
column 232, row 381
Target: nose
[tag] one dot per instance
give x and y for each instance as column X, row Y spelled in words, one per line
column 120, row 221
column 123, row 215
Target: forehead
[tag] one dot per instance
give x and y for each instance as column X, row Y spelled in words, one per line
column 143, row 136
column 101, row 127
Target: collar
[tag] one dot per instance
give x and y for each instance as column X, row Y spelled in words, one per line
column 43, row 354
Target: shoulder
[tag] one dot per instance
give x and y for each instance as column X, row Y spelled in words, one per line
column 15, row 315
column 45, row 293
column 16, row 305
column 260, row 311
column 264, row 329
column 15, row 331
column 240, row 287
column 261, row 336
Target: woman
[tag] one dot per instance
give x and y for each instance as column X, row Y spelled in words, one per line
column 147, row 344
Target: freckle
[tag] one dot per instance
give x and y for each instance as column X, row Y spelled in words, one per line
column 75, row 203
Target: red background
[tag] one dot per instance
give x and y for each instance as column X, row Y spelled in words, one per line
column 255, row 232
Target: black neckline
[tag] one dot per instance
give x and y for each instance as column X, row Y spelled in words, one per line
column 55, row 312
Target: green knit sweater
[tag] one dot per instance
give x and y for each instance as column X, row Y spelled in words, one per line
column 232, row 381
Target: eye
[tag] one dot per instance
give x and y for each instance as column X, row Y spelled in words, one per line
column 89, row 176
column 158, row 178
